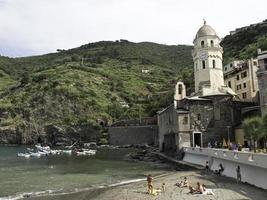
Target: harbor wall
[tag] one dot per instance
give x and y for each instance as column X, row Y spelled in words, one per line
column 253, row 165
column 128, row 135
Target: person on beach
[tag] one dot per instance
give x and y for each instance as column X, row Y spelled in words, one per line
column 221, row 169
column 207, row 167
column 207, row 191
column 183, row 183
column 149, row 184
column 163, row 187
column 200, row 188
column 238, row 174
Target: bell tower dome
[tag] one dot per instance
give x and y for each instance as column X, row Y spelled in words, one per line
column 207, row 57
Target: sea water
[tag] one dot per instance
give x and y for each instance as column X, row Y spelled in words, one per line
column 63, row 174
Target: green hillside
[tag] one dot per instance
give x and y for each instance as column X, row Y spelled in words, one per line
column 244, row 43
column 97, row 82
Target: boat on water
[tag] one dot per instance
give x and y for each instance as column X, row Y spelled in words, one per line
column 36, row 155
column 24, row 155
column 69, row 152
column 85, row 152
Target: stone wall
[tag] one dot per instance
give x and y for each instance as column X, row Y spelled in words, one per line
column 133, row 135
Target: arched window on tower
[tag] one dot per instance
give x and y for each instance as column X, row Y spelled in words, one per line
column 203, row 64
column 202, row 44
column 211, row 43
column 213, row 63
column 180, row 89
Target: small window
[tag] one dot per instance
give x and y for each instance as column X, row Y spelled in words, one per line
column 225, row 69
column 213, row 63
column 198, row 116
column 203, row 64
column 254, row 63
column 239, row 87
column 244, row 74
column 244, row 85
column 231, row 65
column 211, row 43
column 244, row 95
column 237, row 77
column 202, row 44
column 229, row 84
column 180, row 89
column 185, row 120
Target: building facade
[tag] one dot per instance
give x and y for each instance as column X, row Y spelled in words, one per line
column 262, row 79
column 241, row 77
column 209, row 115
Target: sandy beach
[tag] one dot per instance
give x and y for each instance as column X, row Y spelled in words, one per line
column 223, row 187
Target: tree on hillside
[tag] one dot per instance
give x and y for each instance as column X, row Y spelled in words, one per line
column 252, row 128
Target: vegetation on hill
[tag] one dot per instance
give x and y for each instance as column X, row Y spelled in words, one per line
column 98, row 82
column 244, row 43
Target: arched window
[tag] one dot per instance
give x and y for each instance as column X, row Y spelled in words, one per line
column 203, row 64
column 211, row 43
column 213, row 63
column 202, row 44
column 180, row 89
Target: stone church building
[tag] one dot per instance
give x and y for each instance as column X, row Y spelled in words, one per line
column 210, row 114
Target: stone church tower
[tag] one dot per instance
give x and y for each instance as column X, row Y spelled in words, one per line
column 207, row 56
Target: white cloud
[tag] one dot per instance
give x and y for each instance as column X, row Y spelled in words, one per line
column 40, row 26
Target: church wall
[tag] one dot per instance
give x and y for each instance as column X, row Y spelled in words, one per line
column 167, row 123
column 212, row 119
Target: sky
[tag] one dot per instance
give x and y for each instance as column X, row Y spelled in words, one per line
column 33, row 27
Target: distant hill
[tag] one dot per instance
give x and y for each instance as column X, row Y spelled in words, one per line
column 97, row 82
column 244, row 42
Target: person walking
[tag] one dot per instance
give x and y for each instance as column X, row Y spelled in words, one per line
column 238, row 174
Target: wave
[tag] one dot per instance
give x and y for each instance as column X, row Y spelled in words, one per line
column 62, row 192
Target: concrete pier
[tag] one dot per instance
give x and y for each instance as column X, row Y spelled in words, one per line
column 253, row 165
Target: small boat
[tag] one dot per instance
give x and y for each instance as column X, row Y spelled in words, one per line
column 40, row 148
column 37, row 155
column 80, row 153
column 84, row 152
column 55, row 152
column 67, row 152
column 24, row 155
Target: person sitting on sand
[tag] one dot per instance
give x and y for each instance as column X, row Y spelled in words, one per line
column 183, row 183
column 149, row 184
column 200, row 188
column 192, row 190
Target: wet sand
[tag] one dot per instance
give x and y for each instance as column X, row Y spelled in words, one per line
column 223, row 187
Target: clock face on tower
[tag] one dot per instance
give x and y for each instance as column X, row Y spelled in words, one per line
column 202, row 55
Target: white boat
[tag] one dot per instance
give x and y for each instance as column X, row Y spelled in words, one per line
column 55, row 152
column 24, row 155
column 40, row 148
column 67, row 152
column 37, row 155
column 80, row 153
column 90, row 152
column 84, row 152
